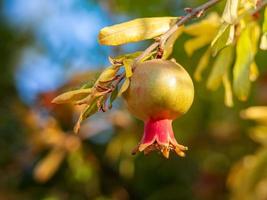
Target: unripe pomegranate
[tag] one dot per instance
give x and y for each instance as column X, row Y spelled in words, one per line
column 159, row 92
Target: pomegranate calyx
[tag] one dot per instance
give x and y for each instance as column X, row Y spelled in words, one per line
column 158, row 135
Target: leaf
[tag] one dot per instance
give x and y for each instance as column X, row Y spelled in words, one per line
column 257, row 113
column 263, row 44
column 72, row 96
column 88, row 111
column 208, row 26
column 113, row 96
column 220, row 67
column 196, row 43
column 254, row 72
column 47, row 167
column 230, row 11
column 245, row 50
column 134, row 55
column 202, row 65
column 135, row 30
column 228, row 94
column 128, row 67
column 108, row 74
column 168, row 47
column 124, row 86
column 224, row 38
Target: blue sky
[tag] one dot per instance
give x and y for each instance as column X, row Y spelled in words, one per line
column 65, row 41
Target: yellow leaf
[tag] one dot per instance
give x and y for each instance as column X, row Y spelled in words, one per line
column 108, row 74
column 263, row 44
column 254, row 72
column 224, row 38
column 208, row 26
column 257, row 113
column 220, row 67
column 124, row 86
column 202, row 65
column 47, row 167
column 228, row 94
column 196, row 43
column 128, row 67
column 72, row 96
column 230, row 11
column 135, row 30
column 168, row 47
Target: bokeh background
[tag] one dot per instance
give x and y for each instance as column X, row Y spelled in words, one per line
column 47, row 47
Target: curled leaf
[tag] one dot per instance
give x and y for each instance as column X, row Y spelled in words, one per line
column 124, row 86
column 108, row 74
column 72, row 96
column 128, row 67
column 135, row 30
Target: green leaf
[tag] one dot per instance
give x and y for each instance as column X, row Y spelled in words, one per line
column 220, row 67
column 202, row 65
column 135, row 30
column 224, row 38
column 196, row 43
column 124, row 86
column 72, row 96
column 245, row 50
column 168, row 47
column 230, row 11
column 263, row 44
column 128, row 67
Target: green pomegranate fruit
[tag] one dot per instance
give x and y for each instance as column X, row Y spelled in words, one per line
column 160, row 91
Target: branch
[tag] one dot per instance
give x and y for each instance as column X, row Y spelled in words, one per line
column 192, row 13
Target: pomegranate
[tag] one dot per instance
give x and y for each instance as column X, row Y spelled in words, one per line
column 159, row 92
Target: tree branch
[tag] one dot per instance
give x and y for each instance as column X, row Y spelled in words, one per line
column 192, row 13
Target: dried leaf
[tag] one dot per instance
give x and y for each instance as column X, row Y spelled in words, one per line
column 220, row 67
column 224, row 38
column 230, row 11
column 72, row 96
column 168, row 47
column 202, row 65
column 135, row 30
column 124, row 86
column 128, row 67
column 113, row 96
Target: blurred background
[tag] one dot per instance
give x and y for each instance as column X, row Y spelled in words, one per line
column 48, row 47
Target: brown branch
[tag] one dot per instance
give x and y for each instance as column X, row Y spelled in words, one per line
column 192, row 13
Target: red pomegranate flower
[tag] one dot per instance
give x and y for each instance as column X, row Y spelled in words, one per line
column 160, row 91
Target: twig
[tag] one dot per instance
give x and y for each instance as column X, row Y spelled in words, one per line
column 196, row 12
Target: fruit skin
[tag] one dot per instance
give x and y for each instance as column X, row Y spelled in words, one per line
column 160, row 91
